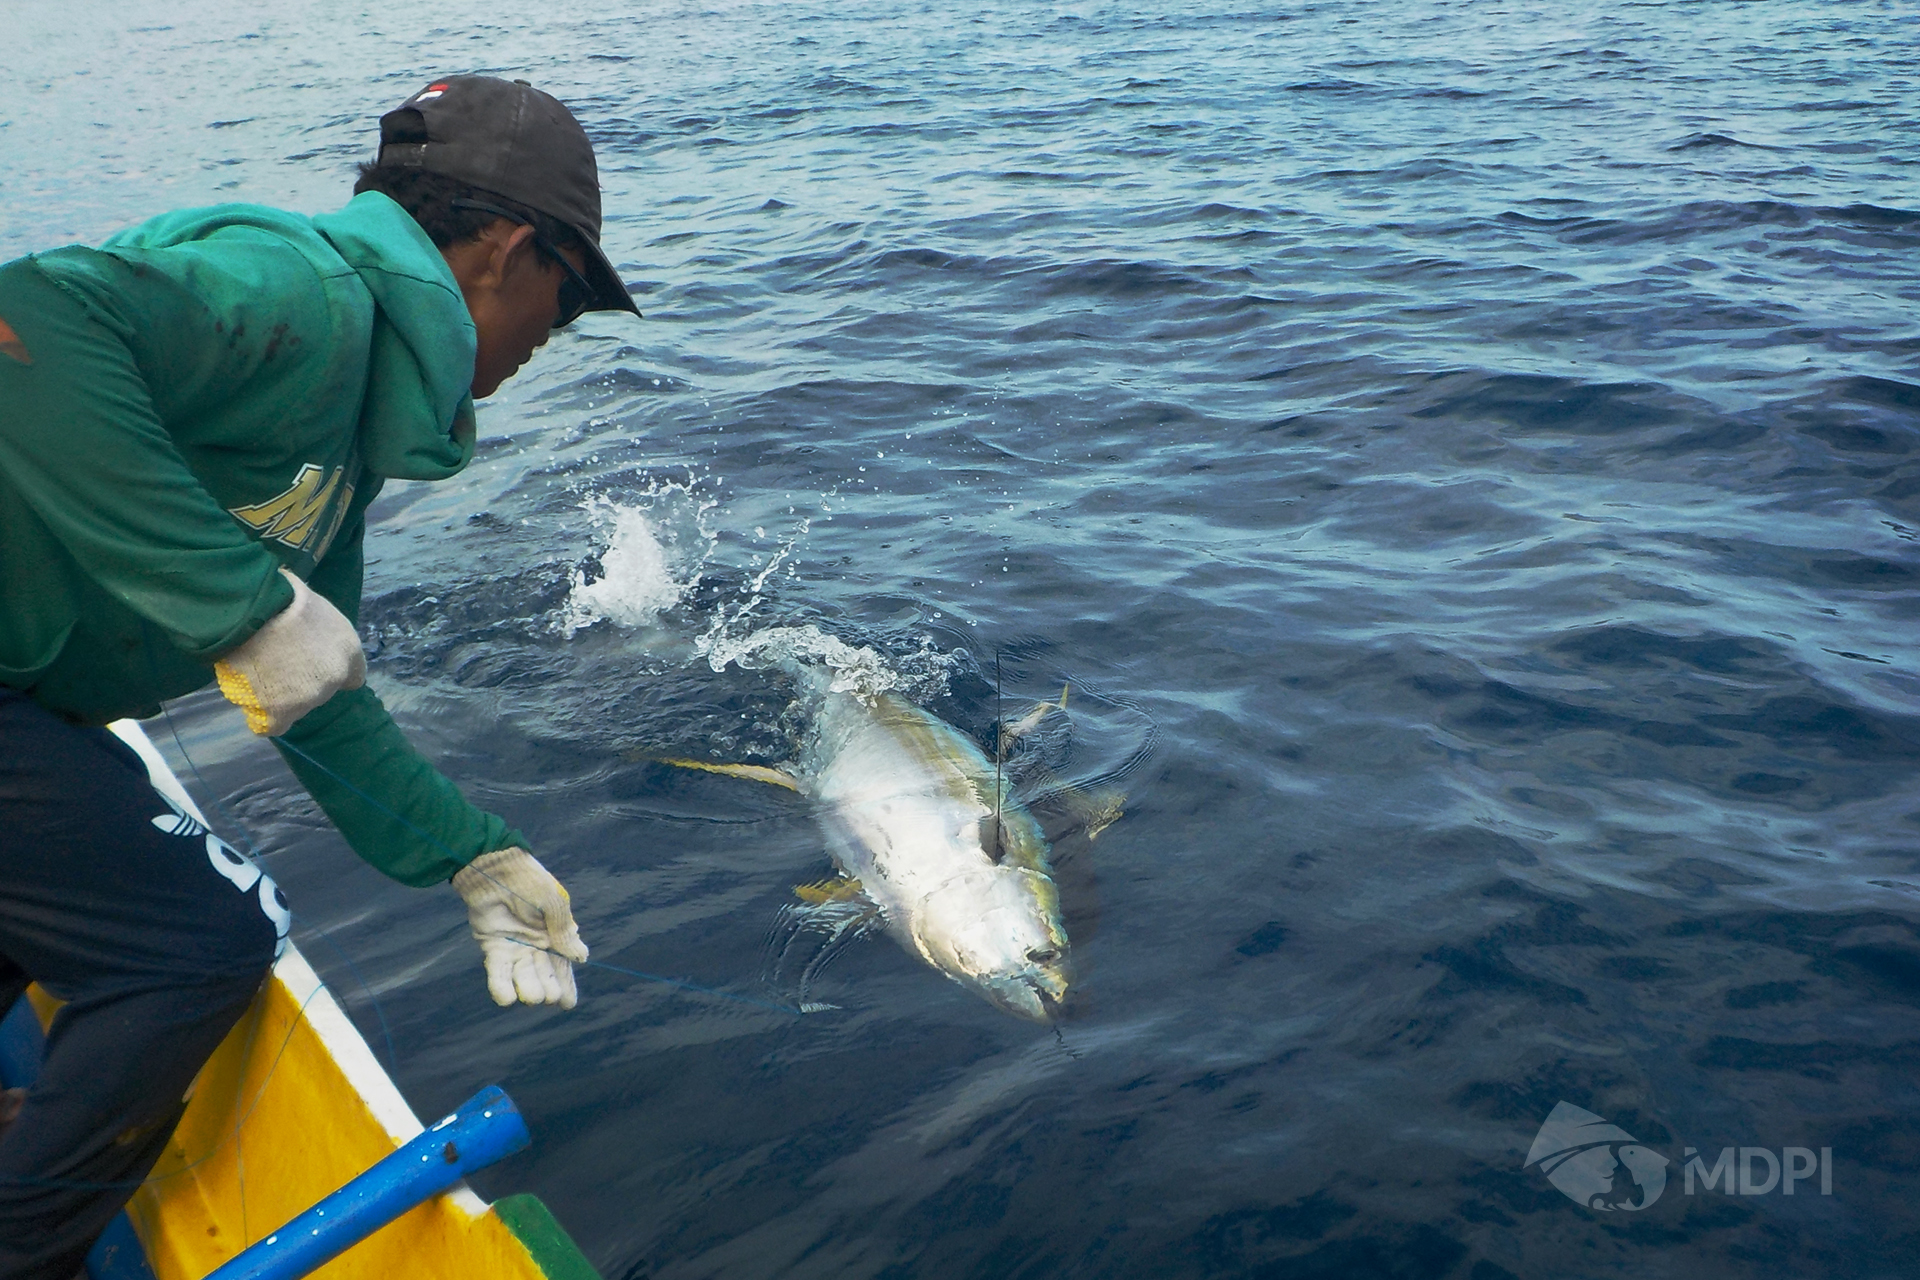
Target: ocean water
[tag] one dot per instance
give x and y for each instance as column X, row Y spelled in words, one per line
column 1462, row 458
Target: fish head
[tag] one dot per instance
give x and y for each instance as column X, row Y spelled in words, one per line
column 998, row 931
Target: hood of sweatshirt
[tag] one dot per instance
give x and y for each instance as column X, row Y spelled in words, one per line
column 417, row 422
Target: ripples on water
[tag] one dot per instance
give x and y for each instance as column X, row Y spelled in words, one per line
column 1469, row 450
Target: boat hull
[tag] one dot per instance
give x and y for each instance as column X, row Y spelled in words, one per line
column 290, row 1107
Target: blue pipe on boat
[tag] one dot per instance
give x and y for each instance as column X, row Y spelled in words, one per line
column 486, row 1127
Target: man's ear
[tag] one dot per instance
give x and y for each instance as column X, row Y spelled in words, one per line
column 507, row 243
column 516, row 244
column 484, row 262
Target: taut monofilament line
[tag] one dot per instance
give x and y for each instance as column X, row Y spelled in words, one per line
column 999, row 754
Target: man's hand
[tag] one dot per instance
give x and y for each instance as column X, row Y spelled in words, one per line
column 304, row 655
column 520, row 918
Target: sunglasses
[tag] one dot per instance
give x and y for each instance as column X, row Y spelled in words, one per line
column 576, row 294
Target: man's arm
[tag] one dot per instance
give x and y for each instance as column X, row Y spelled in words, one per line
column 401, row 815
column 396, row 810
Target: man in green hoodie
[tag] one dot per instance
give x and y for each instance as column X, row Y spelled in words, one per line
column 194, row 418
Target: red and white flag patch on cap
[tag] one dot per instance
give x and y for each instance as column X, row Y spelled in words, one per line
column 429, row 93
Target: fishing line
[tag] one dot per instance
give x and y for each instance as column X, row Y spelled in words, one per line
column 441, row 845
column 434, row 840
column 252, row 855
column 298, row 1017
column 233, row 1134
column 686, row 986
column 258, row 1015
column 999, row 751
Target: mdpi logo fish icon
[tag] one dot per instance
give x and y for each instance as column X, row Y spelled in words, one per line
column 1597, row 1164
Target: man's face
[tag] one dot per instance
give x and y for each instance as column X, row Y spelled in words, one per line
column 512, row 290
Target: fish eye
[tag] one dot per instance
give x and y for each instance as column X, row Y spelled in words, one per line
column 1042, row 955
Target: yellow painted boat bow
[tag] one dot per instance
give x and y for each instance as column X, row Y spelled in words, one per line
column 292, row 1106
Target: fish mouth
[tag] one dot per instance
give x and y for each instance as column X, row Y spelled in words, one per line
column 1025, row 996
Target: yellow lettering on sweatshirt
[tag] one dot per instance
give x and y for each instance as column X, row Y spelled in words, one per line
column 293, row 517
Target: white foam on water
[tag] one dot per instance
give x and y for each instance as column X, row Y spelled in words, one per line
column 732, row 619
column 825, row 663
column 651, row 563
column 655, row 552
column 849, row 668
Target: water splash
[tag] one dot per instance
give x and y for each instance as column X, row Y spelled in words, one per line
column 652, row 560
column 847, row 668
column 731, row 618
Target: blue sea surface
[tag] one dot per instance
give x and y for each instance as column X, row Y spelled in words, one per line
column 1464, row 459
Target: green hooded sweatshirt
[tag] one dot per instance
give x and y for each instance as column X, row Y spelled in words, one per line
column 228, row 395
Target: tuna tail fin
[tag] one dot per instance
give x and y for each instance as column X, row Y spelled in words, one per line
column 752, row 772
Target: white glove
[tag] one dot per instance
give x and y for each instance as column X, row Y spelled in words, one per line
column 520, row 918
column 304, row 655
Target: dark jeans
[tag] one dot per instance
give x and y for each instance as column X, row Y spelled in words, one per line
column 156, row 935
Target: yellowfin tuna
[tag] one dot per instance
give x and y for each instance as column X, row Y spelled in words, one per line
column 922, row 824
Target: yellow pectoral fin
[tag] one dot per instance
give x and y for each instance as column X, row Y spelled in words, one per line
column 821, row 892
column 1105, row 809
column 1091, row 811
column 752, row 772
column 238, row 690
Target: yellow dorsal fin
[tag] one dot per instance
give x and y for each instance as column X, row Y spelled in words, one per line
column 1012, row 733
column 821, row 892
column 752, row 772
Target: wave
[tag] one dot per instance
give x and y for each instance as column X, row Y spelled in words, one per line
column 1696, row 141
column 1865, row 224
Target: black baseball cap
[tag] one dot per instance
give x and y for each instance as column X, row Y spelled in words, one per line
column 507, row 137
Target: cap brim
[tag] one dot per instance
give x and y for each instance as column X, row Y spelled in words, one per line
column 609, row 294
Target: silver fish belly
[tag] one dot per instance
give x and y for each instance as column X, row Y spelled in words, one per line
column 958, row 868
